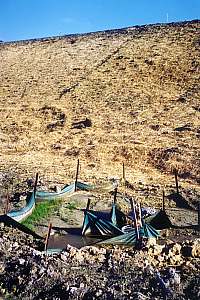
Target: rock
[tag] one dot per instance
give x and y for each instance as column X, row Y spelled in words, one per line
column 115, row 272
column 195, row 251
column 21, row 261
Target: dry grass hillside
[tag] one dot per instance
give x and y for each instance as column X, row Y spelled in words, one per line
column 137, row 88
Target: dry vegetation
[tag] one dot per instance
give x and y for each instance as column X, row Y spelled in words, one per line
column 138, row 86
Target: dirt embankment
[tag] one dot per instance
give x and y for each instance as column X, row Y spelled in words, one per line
column 126, row 95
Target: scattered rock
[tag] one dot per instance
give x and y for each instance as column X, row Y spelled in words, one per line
column 82, row 124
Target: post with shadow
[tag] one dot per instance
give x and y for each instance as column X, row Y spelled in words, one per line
column 77, row 172
column 124, row 178
column 176, row 181
column 163, row 201
column 115, row 195
column 199, row 216
column 35, row 185
column 7, row 206
column 47, row 237
column 133, row 209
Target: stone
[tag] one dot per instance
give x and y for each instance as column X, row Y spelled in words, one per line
column 21, row 261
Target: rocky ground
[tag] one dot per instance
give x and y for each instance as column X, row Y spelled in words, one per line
column 163, row 269
column 168, row 271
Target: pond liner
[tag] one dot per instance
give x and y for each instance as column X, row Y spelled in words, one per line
column 66, row 191
column 103, row 223
column 95, row 226
column 159, row 220
column 10, row 222
column 117, row 217
column 130, row 238
column 24, row 212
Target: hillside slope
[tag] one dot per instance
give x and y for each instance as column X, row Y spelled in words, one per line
column 138, row 86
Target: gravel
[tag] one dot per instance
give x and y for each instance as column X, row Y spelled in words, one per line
column 168, row 271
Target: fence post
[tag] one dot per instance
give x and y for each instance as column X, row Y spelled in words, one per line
column 176, row 180
column 7, row 203
column 199, row 216
column 47, row 237
column 76, row 180
column 140, row 213
column 163, row 201
column 123, row 175
column 124, row 178
column 88, row 204
column 115, row 195
column 35, row 185
column 135, row 218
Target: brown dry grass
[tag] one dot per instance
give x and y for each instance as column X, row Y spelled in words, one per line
column 137, row 86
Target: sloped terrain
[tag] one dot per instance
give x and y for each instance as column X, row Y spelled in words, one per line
column 135, row 89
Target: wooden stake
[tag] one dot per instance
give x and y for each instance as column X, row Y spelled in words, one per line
column 35, row 185
column 176, row 180
column 47, row 237
column 88, row 204
column 7, row 203
column 76, row 180
column 124, row 179
column 140, row 214
column 136, row 222
column 163, row 201
column 123, row 176
column 131, row 202
column 115, row 195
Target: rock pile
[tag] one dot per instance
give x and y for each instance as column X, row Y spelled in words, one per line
column 158, row 271
column 173, row 253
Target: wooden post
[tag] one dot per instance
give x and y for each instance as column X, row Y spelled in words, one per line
column 35, row 185
column 47, row 237
column 88, row 204
column 136, row 226
column 176, row 180
column 131, row 202
column 163, row 201
column 7, row 203
column 115, row 195
column 199, row 216
column 140, row 214
column 124, row 179
column 123, row 176
column 76, row 180
column 135, row 220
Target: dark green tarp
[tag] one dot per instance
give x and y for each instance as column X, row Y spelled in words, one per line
column 130, row 238
column 94, row 225
column 66, row 191
column 24, row 212
column 117, row 217
column 159, row 221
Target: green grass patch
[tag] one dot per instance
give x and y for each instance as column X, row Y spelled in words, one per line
column 71, row 206
column 42, row 211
